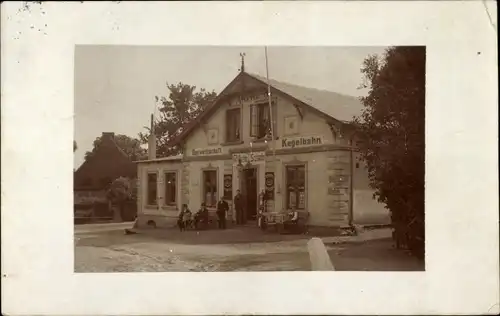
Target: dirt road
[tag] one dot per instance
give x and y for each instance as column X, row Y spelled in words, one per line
column 109, row 250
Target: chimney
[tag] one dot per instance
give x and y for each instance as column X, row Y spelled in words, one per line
column 152, row 141
column 108, row 136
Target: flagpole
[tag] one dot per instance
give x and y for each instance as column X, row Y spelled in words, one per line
column 271, row 118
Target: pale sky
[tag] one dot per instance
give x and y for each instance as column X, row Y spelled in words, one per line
column 115, row 86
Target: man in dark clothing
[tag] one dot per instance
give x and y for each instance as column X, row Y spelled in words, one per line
column 201, row 217
column 238, row 207
column 222, row 209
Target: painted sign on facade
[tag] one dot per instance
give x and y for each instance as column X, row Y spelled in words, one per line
column 301, row 141
column 252, row 157
column 207, row 151
column 257, row 98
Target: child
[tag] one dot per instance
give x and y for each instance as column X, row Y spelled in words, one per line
column 187, row 218
column 183, row 214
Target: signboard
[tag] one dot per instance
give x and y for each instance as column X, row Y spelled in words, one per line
column 207, row 151
column 270, row 185
column 253, row 157
column 301, row 141
column 228, row 186
column 257, row 98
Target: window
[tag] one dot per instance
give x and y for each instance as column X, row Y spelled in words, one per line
column 260, row 120
column 295, row 187
column 233, row 122
column 210, row 187
column 170, row 188
column 152, row 187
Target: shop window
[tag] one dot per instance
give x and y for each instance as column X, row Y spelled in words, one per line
column 233, row 124
column 210, row 187
column 170, row 188
column 296, row 187
column 152, row 188
column 260, row 119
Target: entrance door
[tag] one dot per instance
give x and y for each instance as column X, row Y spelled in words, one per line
column 250, row 178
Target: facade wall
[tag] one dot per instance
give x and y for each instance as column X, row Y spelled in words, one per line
column 328, row 171
column 161, row 213
column 309, row 125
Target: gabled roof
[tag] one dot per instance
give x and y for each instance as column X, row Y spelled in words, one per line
column 333, row 105
column 338, row 106
column 117, row 162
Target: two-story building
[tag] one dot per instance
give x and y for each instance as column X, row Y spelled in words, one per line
column 310, row 164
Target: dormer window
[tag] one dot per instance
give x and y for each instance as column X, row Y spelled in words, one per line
column 233, row 125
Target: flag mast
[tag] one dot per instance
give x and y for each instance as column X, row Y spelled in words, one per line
column 273, row 139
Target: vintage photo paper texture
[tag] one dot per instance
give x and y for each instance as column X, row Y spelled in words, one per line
column 42, row 246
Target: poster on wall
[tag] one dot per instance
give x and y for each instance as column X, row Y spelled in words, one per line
column 270, row 185
column 228, row 186
column 302, row 200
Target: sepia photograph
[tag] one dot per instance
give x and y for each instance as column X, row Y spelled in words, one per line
column 225, row 158
column 249, row 158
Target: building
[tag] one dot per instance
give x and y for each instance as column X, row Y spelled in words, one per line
column 311, row 167
column 92, row 178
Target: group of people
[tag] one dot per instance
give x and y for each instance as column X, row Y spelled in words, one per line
column 186, row 219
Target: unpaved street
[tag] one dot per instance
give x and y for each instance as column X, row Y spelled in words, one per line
column 106, row 249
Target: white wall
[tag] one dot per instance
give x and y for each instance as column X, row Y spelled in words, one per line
column 310, row 125
column 160, row 168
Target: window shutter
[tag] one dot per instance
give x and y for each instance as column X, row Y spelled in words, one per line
column 228, row 126
column 237, row 123
column 254, row 121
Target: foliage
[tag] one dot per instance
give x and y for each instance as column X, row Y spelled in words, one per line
column 121, row 190
column 131, row 146
column 391, row 135
column 182, row 106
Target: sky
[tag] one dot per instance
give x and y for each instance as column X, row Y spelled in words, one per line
column 115, row 86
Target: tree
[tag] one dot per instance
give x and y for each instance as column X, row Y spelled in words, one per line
column 182, row 106
column 131, row 146
column 121, row 191
column 391, row 134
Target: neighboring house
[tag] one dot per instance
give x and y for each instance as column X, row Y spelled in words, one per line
column 316, row 168
column 92, row 178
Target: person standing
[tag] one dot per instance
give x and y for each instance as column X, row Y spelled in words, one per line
column 222, row 209
column 238, row 207
column 262, row 207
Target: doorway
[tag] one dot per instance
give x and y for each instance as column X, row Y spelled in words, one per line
column 250, row 193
